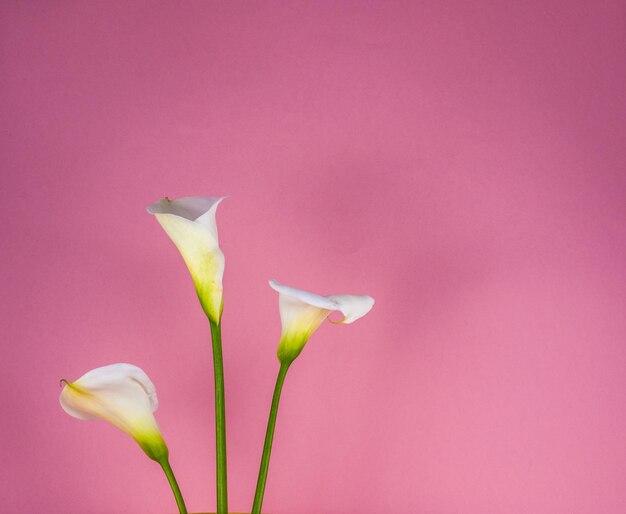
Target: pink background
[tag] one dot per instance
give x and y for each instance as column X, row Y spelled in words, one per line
column 462, row 162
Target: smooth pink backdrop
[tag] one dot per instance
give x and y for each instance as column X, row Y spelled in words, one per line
column 462, row 162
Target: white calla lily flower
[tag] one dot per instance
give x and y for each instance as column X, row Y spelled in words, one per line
column 123, row 395
column 301, row 313
column 190, row 224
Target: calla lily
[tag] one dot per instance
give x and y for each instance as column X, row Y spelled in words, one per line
column 123, row 395
column 301, row 313
column 190, row 224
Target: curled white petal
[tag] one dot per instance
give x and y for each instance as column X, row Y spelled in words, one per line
column 302, row 312
column 110, row 378
column 199, row 209
column 304, row 296
column 351, row 306
column 190, row 223
column 121, row 394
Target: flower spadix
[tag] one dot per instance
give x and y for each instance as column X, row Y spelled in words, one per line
column 190, row 224
column 123, row 395
column 301, row 313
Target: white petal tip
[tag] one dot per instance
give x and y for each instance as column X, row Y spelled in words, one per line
column 274, row 284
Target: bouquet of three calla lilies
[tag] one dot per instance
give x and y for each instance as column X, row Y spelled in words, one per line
column 124, row 395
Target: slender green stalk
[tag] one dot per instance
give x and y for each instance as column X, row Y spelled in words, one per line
column 269, row 437
column 220, row 419
column 165, row 464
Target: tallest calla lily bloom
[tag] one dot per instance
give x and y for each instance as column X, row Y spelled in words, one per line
column 190, row 223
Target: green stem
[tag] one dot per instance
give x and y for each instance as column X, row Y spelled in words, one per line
column 220, row 419
column 172, row 480
column 269, row 437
